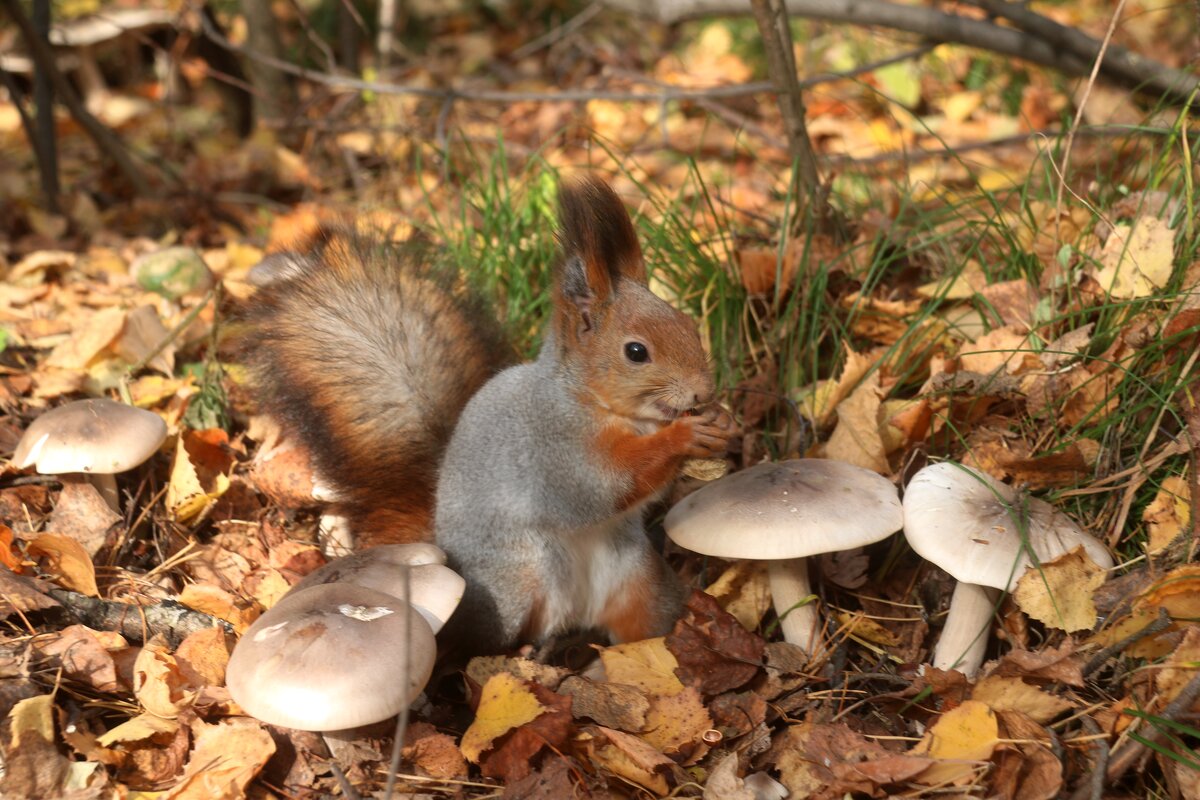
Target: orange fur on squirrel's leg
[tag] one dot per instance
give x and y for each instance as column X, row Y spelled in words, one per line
column 639, row 608
column 391, row 526
column 652, row 460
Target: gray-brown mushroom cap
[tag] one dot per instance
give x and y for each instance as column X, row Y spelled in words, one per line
column 791, row 509
column 331, row 657
column 983, row 531
column 95, row 436
column 434, row 589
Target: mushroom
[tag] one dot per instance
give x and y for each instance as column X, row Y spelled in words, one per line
column 332, row 657
column 433, row 589
column 782, row 513
column 985, row 534
column 98, row 438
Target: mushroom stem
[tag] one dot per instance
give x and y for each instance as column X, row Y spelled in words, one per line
column 965, row 635
column 106, row 485
column 799, row 620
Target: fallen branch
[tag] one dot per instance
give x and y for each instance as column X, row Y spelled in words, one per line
column 1133, row 72
column 173, row 621
column 1123, row 759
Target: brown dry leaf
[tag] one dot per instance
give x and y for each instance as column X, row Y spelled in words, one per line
column 675, row 723
column 959, row 739
column 858, row 625
column 8, row 557
column 737, row 713
column 138, row 729
column 83, row 656
column 267, row 586
column 33, row 766
column 1180, row 667
column 1067, row 347
column 67, row 561
column 628, row 757
column 18, row 593
column 1014, row 302
column 1006, row 349
column 1059, row 592
column 961, row 285
column 225, row 758
column 758, row 267
column 856, row 439
column 1060, row 663
column 88, row 340
column 481, row 668
column 743, row 591
column 511, row 756
column 435, row 753
column 830, row 761
column 202, row 658
column 505, row 703
column 1013, row 694
column 646, row 665
column 1169, row 513
column 845, row 568
column 286, row 476
column 199, row 474
column 159, row 684
column 83, row 515
column 1026, row 768
column 1137, row 258
column 218, row 603
column 715, row 653
column 612, row 705
column 880, row 320
column 142, row 334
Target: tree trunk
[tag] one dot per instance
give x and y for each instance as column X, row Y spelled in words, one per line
column 274, row 94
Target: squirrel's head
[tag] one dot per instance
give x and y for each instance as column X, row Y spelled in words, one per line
column 635, row 353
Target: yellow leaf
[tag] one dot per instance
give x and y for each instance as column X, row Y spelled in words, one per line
column 1137, row 259
column 138, row 729
column 1059, row 593
column 218, row 603
column 1169, row 513
column 630, row 758
column 158, row 683
column 959, row 739
column 68, row 561
column 962, row 285
column 647, row 665
column 1013, row 694
column 225, row 758
column 32, row 718
column 676, row 721
column 505, row 703
column 863, row 627
column 88, row 339
column 743, row 591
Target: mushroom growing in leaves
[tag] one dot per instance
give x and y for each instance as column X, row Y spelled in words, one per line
column 433, row 589
column 986, row 535
column 782, row 513
column 332, row 657
column 97, row 438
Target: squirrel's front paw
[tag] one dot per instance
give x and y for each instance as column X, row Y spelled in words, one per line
column 711, row 431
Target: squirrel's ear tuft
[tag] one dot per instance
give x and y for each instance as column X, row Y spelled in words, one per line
column 595, row 228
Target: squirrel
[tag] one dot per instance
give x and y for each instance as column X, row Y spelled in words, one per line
column 533, row 478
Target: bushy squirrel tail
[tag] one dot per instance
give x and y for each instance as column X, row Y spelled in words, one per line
column 368, row 352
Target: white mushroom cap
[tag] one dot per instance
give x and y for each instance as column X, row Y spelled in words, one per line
column 966, row 522
column 96, row 436
column 331, row 657
column 791, row 509
column 435, row 590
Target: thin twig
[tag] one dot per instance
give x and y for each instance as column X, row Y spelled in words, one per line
column 137, row 623
column 1157, row 625
column 1093, row 787
column 556, row 35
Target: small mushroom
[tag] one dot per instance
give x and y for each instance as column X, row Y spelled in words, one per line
column 986, row 535
column 782, row 513
column 98, row 438
column 332, row 657
column 433, row 589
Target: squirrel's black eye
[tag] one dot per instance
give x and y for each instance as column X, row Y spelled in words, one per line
column 637, row 352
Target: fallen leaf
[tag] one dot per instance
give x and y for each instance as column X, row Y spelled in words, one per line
column 676, row 723
column 200, row 473
column 202, row 658
column 723, row 782
column 1013, row 694
column 434, row 752
column 33, row 767
column 97, row 332
column 629, row 757
column 737, row 713
column 646, row 665
column 159, row 684
column 19, row 593
column 744, row 591
column 1005, row 349
column 1137, row 258
column 856, row 439
column 959, row 739
column 714, row 652
column 66, row 560
column 830, row 761
column 505, row 703
column 218, row 603
column 80, row 513
column 612, row 705
column 82, row 656
column 226, row 756
column 1059, row 593
column 142, row 335
column 511, row 756
column 481, row 668
column 1169, row 514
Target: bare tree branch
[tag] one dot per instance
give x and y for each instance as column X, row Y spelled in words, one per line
column 1135, row 72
